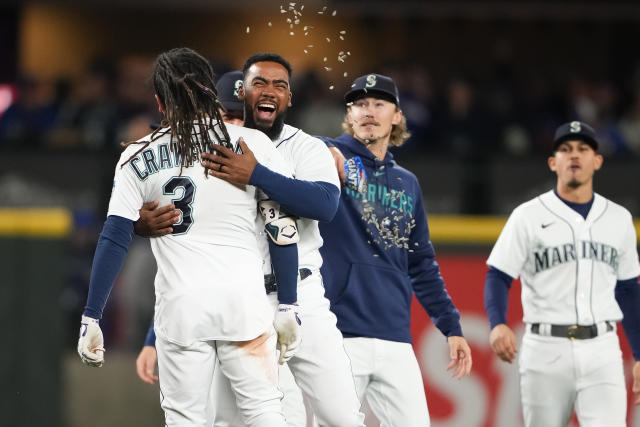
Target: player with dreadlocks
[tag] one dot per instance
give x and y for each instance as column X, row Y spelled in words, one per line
column 205, row 308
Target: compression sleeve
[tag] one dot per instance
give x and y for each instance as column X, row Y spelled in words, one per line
column 628, row 297
column 306, row 199
column 496, row 295
column 107, row 261
column 150, row 339
column 284, row 260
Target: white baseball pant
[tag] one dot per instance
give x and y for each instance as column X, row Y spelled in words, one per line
column 226, row 409
column 388, row 376
column 186, row 375
column 321, row 367
column 557, row 374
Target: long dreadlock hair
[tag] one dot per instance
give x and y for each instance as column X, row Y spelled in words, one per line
column 185, row 85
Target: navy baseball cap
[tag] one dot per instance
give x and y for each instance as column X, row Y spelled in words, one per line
column 227, row 87
column 375, row 85
column 575, row 130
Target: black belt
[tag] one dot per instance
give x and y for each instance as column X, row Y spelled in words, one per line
column 573, row 332
column 270, row 284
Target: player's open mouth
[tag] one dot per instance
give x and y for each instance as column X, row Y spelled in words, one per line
column 265, row 110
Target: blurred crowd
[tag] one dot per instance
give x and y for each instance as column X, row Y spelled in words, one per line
column 462, row 115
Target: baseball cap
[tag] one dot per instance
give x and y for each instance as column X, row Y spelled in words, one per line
column 373, row 85
column 227, row 87
column 575, row 130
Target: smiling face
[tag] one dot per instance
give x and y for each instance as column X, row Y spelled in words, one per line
column 575, row 162
column 267, row 96
column 372, row 119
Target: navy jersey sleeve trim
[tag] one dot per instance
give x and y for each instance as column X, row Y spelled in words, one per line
column 496, row 295
column 284, row 260
column 150, row 339
column 316, row 200
column 628, row 297
column 110, row 253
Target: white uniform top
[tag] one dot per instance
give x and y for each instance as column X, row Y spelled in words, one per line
column 209, row 284
column 568, row 265
column 310, row 160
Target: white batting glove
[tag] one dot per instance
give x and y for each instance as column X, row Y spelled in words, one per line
column 288, row 325
column 90, row 342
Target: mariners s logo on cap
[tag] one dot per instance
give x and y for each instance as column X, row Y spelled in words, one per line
column 371, row 80
column 575, row 127
column 236, row 87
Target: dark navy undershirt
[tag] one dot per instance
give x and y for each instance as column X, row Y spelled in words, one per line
column 582, row 208
column 627, row 292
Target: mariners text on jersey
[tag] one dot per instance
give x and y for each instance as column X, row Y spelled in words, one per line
column 550, row 257
column 384, row 197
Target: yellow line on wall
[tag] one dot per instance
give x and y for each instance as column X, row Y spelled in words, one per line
column 473, row 229
column 458, row 229
column 35, row 222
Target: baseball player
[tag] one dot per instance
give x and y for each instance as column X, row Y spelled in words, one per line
column 575, row 253
column 320, row 367
column 232, row 112
column 205, row 309
column 370, row 280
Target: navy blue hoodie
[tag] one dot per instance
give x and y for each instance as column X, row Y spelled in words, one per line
column 377, row 252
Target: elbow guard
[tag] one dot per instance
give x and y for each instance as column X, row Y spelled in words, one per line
column 280, row 227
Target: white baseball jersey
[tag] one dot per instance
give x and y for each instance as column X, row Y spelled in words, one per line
column 310, row 160
column 209, row 284
column 568, row 265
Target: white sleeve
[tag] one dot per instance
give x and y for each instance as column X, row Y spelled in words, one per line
column 628, row 266
column 267, row 154
column 126, row 194
column 314, row 162
column 509, row 254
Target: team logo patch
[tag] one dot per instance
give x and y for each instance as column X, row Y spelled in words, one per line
column 575, row 127
column 236, row 87
column 371, row 80
column 356, row 174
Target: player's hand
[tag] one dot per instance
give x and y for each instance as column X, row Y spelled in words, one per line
column 460, row 354
column 339, row 159
column 503, row 342
column 288, row 325
column 636, row 383
column 154, row 221
column 146, row 364
column 90, row 342
column 230, row 166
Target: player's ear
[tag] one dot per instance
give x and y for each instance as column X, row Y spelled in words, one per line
column 598, row 160
column 397, row 117
column 551, row 161
column 160, row 105
column 289, row 104
column 241, row 92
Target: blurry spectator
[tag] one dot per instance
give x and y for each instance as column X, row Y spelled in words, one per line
column 630, row 124
column 416, row 102
column 463, row 129
column 89, row 117
column 25, row 123
column 319, row 111
column 596, row 104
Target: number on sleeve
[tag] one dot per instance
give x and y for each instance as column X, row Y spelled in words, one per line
column 183, row 202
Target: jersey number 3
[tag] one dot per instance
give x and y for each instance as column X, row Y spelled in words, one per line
column 183, row 203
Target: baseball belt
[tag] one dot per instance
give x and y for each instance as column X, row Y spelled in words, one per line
column 573, row 332
column 270, row 284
